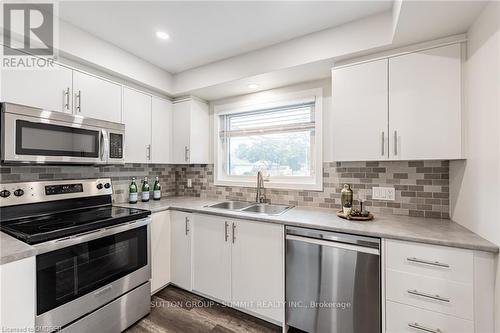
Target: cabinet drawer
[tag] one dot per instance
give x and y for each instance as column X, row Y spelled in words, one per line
column 430, row 260
column 402, row 318
column 448, row 297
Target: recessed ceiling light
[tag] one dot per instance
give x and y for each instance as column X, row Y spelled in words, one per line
column 253, row 86
column 162, row 35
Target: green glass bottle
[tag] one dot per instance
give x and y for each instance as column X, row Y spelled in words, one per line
column 157, row 189
column 132, row 192
column 145, row 190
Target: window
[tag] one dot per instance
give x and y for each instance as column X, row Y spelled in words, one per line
column 281, row 141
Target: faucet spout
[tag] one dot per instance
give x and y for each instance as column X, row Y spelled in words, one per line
column 260, row 196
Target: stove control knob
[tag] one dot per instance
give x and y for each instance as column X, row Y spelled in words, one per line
column 18, row 192
column 4, row 194
column 99, row 186
column 107, row 185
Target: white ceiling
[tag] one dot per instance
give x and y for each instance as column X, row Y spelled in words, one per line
column 204, row 32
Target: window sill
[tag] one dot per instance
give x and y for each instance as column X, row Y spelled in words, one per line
column 271, row 185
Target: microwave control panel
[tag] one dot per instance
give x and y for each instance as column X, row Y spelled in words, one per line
column 115, row 145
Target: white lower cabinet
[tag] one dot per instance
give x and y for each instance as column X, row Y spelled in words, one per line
column 240, row 262
column 18, row 301
column 181, row 249
column 257, row 268
column 404, row 318
column 160, row 250
column 212, row 257
column 431, row 288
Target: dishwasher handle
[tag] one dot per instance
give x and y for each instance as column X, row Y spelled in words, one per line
column 330, row 236
column 338, row 245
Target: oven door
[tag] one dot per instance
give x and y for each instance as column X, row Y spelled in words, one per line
column 95, row 269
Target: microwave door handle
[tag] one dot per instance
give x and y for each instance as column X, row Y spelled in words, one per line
column 104, row 146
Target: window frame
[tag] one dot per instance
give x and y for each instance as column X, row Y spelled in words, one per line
column 262, row 101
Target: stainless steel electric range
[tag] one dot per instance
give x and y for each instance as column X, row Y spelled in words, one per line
column 93, row 259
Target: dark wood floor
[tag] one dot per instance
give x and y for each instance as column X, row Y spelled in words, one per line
column 175, row 310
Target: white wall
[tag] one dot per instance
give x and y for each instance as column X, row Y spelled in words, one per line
column 81, row 46
column 361, row 35
column 475, row 183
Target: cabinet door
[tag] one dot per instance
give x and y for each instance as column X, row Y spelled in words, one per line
column 212, row 257
column 257, row 268
column 160, row 250
column 137, row 119
column 425, row 104
column 181, row 132
column 97, row 98
column 161, row 131
column 18, row 301
column 359, row 119
column 181, row 249
column 48, row 89
column 199, row 138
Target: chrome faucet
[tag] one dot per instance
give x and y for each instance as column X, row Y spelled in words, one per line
column 260, row 197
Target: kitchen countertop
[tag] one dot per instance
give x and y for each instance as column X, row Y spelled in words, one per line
column 12, row 249
column 416, row 229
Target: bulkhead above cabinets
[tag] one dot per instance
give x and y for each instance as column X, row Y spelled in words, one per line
column 403, row 107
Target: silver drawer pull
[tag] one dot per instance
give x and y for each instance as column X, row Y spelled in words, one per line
column 428, row 262
column 436, row 297
column 423, row 328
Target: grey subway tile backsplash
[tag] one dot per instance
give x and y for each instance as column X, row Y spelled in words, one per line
column 411, row 180
column 422, row 187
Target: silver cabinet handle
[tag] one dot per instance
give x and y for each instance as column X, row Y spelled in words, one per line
column 66, row 98
column 186, row 153
column 423, row 328
column 187, row 226
column 79, row 101
column 383, row 139
column 226, row 233
column 148, row 152
column 396, row 143
column 422, row 294
column 234, row 232
column 427, row 262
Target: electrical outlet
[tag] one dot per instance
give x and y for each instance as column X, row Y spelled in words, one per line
column 384, row 193
column 189, row 182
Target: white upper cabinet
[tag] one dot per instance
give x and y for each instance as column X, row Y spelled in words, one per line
column 191, row 132
column 48, row 89
column 212, row 256
column 181, row 234
column 97, row 98
column 161, row 130
column 137, row 119
column 359, row 96
column 406, row 107
column 425, row 104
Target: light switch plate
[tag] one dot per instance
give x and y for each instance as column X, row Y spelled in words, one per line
column 384, row 193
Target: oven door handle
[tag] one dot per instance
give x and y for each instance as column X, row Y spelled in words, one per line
column 90, row 235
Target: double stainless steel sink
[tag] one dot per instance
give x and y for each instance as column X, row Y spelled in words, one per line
column 249, row 207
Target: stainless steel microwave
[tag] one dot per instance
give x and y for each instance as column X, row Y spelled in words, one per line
column 33, row 135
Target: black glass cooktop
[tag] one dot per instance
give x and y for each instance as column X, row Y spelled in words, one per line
column 37, row 229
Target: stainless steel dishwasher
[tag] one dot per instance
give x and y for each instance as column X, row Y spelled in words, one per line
column 332, row 282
